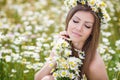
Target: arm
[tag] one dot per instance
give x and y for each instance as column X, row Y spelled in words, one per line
column 97, row 69
column 45, row 70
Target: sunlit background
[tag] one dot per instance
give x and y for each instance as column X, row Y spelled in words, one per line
column 27, row 28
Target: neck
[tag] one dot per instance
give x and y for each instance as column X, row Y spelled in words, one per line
column 78, row 46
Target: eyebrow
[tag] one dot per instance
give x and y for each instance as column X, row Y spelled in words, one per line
column 85, row 21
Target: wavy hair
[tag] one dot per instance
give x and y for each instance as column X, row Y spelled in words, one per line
column 91, row 44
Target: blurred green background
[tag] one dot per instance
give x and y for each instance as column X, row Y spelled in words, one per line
column 27, row 28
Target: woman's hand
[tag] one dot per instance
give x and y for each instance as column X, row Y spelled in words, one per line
column 64, row 35
column 48, row 77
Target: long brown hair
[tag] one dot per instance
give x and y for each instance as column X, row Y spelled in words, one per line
column 91, row 43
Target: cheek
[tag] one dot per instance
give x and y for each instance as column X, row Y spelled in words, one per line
column 70, row 27
column 88, row 33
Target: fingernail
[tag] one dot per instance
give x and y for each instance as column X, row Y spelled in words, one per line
column 68, row 39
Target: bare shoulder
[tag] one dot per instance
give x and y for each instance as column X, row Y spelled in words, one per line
column 97, row 69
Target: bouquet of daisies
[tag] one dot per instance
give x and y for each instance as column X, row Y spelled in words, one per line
column 67, row 66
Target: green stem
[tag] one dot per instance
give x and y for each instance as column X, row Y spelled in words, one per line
column 118, row 75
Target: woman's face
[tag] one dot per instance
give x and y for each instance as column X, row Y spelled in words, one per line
column 80, row 26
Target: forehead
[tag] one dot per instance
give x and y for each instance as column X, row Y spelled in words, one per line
column 84, row 16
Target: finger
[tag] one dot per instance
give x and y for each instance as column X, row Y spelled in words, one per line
column 64, row 37
column 63, row 33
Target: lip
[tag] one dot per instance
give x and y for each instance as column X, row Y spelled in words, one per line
column 76, row 34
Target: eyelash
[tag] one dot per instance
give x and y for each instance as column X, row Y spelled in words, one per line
column 75, row 21
column 85, row 25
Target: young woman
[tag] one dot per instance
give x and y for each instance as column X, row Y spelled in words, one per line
column 83, row 28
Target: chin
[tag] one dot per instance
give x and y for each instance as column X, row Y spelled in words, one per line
column 75, row 40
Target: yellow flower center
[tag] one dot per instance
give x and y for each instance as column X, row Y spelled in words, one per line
column 92, row 2
column 102, row 4
column 83, row 2
column 63, row 73
column 54, row 74
column 51, row 65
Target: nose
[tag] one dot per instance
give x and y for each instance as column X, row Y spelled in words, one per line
column 79, row 27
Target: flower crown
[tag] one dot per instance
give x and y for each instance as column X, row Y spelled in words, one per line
column 97, row 6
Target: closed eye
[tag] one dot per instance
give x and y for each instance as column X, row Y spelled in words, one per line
column 87, row 26
column 75, row 21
